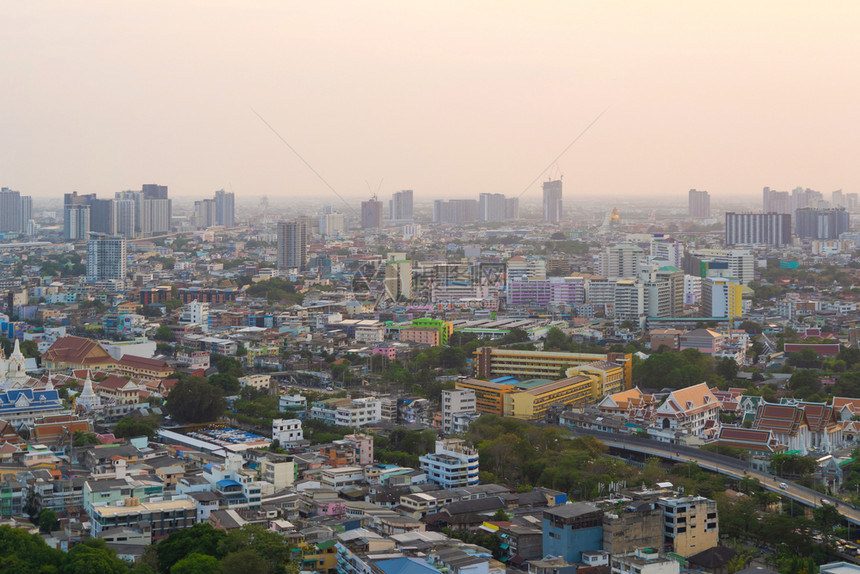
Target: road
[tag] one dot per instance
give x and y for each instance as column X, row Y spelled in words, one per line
column 724, row 465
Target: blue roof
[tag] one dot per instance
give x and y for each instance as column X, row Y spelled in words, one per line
column 228, row 483
column 406, row 566
column 505, row 380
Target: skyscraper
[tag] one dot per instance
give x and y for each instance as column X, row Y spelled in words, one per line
column 758, row 229
column 371, row 214
column 76, row 216
column 292, row 245
column 512, row 208
column 76, row 222
column 125, row 217
column 106, row 257
column 225, row 208
column 821, row 223
column 455, row 211
column 699, row 204
column 776, row 201
column 15, row 211
column 157, row 209
column 552, row 205
column 400, row 206
column 136, row 197
column 205, row 213
column 103, row 216
column 491, row 207
column 331, row 223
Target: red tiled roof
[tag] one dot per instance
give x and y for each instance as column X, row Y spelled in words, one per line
column 75, row 350
column 134, row 362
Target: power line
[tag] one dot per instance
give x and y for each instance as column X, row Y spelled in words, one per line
column 558, row 157
column 310, row 167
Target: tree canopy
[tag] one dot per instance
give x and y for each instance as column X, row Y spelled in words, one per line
column 195, row 400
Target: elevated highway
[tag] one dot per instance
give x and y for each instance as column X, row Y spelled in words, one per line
column 722, row 464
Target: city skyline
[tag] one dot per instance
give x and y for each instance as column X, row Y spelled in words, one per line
column 474, row 100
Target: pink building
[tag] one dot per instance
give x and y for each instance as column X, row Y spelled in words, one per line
column 389, row 352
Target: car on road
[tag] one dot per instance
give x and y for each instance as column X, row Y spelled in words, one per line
column 783, row 486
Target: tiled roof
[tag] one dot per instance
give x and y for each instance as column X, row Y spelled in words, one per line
column 75, row 350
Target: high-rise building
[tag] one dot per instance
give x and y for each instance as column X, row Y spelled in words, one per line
column 455, row 211
column 205, row 213
column 156, row 216
column 225, row 208
column 620, row 261
column 512, row 208
column 331, row 224
column 552, row 204
column 106, row 257
column 400, row 206
column 157, row 209
column 492, row 207
column 76, row 216
column 103, row 216
column 16, row 211
column 136, row 197
column 720, row 262
column 776, row 201
column 821, row 223
column 125, row 212
column 721, row 297
column 76, row 222
column 664, row 292
column 371, row 214
column 292, row 245
column 851, row 202
column 154, row 191
column 667, row 251
column 837, row 198
column 398, row 279
column 758, row 229
column 699, row 204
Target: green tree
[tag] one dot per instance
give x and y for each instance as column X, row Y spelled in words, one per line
column 92, row 556
column 826, row 517
column 727, row 368
column 195, row 563
column 556, row 340
column 131, row 427
column 29, row 349
column 195, row 400
column 22, row 552
column 244, row 562
column 47, row 520
column 228, row 384
column 164, row 333
column 202, row 538
column 272, row 550
column 804, row 383
column 501, row 516
column 81, row 438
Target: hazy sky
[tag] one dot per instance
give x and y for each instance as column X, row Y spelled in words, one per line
column 446, row 98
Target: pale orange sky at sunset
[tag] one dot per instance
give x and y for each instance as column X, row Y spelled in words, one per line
column 446, row 98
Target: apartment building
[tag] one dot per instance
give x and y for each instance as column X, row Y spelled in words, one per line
column 165, row 516
column 690, row 524
column 455, row 402
column 453, row 465
column 348, row 412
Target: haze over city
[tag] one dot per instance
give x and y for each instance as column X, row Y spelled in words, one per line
column 444, row 98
